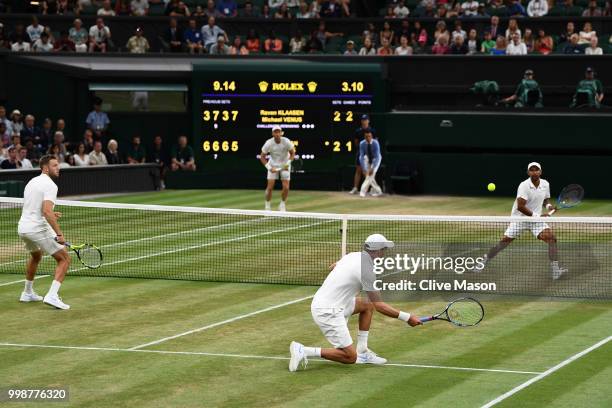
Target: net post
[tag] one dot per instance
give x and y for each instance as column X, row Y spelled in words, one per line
column 344, row 228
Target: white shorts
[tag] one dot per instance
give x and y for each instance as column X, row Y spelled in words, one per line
column 516, row 228
column 40, row 241
column 284, row 175
column 333, row 323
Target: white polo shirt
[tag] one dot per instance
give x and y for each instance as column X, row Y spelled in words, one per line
column 279, row 152
column 39, row 189
column 352, row 274
column 534, row 196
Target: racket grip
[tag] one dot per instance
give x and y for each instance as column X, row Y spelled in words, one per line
column 66, row 243
column 551, row 212
column 426, row 319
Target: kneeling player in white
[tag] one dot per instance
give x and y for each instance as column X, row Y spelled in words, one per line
column 281, row 153
column 39, row 230
column 336, row 300
column 532, row 195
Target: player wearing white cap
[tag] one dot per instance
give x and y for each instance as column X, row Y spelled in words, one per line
column 281, row 152
column 531, row 196
column 337, row 299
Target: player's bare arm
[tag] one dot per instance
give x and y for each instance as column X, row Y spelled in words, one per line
column 262, row 159
column 51, row 218
column 549, row 207
column 388, row 310
column 521, row 204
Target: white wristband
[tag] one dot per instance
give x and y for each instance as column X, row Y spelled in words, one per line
column 549, row 206
column 405, row 316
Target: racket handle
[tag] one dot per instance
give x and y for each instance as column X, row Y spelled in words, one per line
column 66, row 243
column 551, row 212
column 426, row 319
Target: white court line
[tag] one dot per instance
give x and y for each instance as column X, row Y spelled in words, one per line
column 492, row 370
column 546, row 373
column 203, row 353
column 210, row 326
column 23, row 280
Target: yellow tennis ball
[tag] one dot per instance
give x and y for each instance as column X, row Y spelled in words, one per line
column 491, row 187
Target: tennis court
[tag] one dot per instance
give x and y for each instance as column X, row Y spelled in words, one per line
column 186, row 340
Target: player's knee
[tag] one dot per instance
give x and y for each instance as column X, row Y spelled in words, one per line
column 36, row 256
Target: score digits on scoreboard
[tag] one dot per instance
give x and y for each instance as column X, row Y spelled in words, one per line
column 319, row 115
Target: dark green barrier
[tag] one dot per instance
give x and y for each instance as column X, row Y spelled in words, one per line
column 461, row 153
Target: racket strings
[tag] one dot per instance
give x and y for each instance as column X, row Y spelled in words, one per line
column 571, row 195
column 90, row 256
column 465, row 312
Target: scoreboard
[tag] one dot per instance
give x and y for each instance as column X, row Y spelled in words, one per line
column 318, row 109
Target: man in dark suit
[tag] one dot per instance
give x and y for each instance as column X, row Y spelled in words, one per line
column 31, row 132
column 494, row 28
column 173, row 37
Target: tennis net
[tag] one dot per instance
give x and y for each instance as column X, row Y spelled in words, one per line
column 165, row 242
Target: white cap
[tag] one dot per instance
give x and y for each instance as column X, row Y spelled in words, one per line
column 534, row 164
column 276, row 127
column 377, row 241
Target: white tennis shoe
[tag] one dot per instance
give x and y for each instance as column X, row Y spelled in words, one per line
column 298, row 356
column 355, row 190
column 282, row 207
column 30, row 297
column 370, row 357
column 56, row 302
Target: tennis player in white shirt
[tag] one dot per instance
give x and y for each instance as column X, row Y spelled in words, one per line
column 40, row 231
column 337, row 299
column 532, row 195
column 281, row 152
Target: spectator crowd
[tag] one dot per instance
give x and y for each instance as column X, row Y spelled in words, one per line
column 196, row 27
column 23, row 142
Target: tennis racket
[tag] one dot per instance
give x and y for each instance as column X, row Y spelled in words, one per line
column 461, row 312
column 89, row 254
column 569, row 197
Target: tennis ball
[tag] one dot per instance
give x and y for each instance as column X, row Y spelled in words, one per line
column 491, row 187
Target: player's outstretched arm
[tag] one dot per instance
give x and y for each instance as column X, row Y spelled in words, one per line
column 390, row 311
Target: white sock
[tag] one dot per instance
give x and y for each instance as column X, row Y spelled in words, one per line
column 312, row 351
column 29, row 285
column 54, row 288
column 362, row 341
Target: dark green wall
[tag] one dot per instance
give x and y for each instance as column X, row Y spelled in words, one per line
column 42, row 93
column 46, row 92
column 483, row 148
